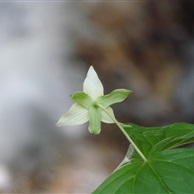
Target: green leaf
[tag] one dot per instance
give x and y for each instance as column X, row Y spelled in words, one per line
column 114, row 97
column 166, row 171
column 152, row 139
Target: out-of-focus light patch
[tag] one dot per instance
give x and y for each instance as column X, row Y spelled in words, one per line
column 5, row 178
column 90, row 179
column 75, row 132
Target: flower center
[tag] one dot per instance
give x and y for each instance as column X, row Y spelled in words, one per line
column 95, row 104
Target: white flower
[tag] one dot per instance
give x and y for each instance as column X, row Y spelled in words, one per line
column 92, row 105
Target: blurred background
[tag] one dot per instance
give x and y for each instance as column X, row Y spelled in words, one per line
column 45, row 51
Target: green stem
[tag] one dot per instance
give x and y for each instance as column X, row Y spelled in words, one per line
column 125, row 133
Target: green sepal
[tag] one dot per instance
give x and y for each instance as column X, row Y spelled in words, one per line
column 94, row 120
column 114, row 97
column 82, row 99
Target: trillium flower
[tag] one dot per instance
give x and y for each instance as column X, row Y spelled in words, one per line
column 92, row 105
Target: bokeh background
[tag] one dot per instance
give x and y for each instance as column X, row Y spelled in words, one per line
column 46, row 49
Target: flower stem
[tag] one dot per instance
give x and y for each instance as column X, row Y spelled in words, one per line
column 125, row 133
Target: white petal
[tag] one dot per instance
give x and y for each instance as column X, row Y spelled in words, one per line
column 105, row 117
column 77, row 115
column 92, row 84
